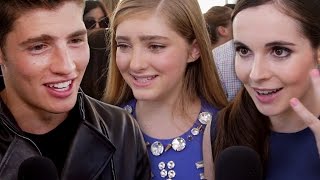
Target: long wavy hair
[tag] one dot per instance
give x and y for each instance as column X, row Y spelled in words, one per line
column 240, row 123
column 184, row 16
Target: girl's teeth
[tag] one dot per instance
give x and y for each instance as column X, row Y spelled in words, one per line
column 146, row 79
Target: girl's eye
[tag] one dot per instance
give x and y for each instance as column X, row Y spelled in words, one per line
column 156, row 47
column 122, row 46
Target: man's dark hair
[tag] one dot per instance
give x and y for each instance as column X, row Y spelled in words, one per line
column 11, row 10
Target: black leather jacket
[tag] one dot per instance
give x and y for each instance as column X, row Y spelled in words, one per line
column 108, row 145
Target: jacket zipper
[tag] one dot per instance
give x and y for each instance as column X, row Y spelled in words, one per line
column 23, row 137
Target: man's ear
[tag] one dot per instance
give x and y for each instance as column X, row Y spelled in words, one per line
column 194, row 51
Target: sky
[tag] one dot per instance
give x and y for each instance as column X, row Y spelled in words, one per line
column 207, row 4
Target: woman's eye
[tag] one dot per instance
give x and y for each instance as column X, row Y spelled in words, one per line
column 242, row 51
column 281, row 52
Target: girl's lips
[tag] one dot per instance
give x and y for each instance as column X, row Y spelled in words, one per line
column 143, row 81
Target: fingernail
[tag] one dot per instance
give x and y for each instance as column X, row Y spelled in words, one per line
column 294, row 101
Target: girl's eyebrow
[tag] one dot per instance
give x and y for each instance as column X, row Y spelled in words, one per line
column 142, row 38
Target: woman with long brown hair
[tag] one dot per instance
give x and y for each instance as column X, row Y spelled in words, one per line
column 276, row 113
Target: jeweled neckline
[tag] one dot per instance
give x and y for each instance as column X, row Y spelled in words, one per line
column 179, row 143
column 166, row 168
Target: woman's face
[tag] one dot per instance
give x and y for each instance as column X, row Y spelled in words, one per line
column 95, row 18
column 152, row 57
column 273, row 59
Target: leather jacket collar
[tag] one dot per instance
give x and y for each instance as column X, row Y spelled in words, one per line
column 89, row 145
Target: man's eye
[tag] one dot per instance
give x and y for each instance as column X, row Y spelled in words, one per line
column 37, row 49
column 77, row 41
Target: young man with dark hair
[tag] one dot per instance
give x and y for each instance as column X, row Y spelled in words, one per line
column 43, row 56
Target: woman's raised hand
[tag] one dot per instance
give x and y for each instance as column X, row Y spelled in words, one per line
column 310, row 119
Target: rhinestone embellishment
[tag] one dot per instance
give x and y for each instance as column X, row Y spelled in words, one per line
column 161, row 165
column 170, row 165
column 171, row 174
column 205, row 117
column 178, row 144
column 195, row 131
column 167, row 169
column 128, row 108
column 163, row 173
column 156, row 148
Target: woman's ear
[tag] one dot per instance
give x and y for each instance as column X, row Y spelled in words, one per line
column 194, row 52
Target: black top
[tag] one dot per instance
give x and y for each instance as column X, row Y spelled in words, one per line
column 56, row 143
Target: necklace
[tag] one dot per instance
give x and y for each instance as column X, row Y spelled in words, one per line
column 179, row 143
column 168, row 168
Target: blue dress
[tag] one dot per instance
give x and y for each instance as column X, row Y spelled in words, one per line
column 293, row 156
column 185, row 164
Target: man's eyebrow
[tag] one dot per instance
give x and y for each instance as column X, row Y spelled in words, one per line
column 31, row 40
column 78, row 33
column 45, row 37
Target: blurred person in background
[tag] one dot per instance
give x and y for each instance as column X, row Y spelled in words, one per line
column 95, row 77
column 110, row 5
column 95, row 15
column 218, row 19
